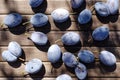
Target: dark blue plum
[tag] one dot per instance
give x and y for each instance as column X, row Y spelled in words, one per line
column 86, row 56
column 60, row 15
column 107, row 58
column 76, row 3
column 69, row 59
column 54, row 53
column 13, row 20
column 35, row 3
column 100, row 33
column 39, row 20
column 64, row 77
column 39, row 38
column 70, row 38
column 85, row 16
column 102, row 9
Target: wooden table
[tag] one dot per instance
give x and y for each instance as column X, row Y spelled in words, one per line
column 95, row 72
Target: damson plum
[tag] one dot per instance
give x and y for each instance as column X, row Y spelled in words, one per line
column 76, row 3
column 39, row 20
column 81, row 71
column 35, row 3
column 70, row 38
column 33, row 66
column 86, row 56
column 8, row 56
column 60, row 15
column 13, row 20
column 100, row 33
column 102, row 9
column 85, row 16
column 69, row 59
column 39, row 38
column 54, row 53
column 64, row 77
column 15, row 49
column 107, row 58
column 113, row 6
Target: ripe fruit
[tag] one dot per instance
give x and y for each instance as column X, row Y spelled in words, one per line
column 8, row 56
column 107, row 58
column 69, row 59
column 33, row 66
column 81, row 71
column 85, row 16
column 60, row 15
column 113, row 6
column 70, row 38
column 54, row 53
column 76, row 3
column 39, row 20
column 86, row 56
column 39, row 38
column 35, row 3
column 13, row 20
column 100, row 33
column 102, row 9
column 15, row 49
column 64, row 77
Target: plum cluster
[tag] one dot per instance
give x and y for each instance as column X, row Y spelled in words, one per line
column 70, row 38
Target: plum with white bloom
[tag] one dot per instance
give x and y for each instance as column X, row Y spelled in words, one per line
column 35, row 3
column 64, row 77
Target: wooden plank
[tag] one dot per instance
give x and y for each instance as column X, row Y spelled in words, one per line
column 112, row 41
column 97, row 71
column 71, row 24
column 22, row 6
column 33, row 52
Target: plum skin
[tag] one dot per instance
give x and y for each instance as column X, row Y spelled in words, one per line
column 13, row 20
column 35, row 3
column 54, row 53
column 64, row 77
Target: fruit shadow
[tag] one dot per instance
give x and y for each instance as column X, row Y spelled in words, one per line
column 57, row 64
column 82, row 7
column 110, row 18
column 18, row 63
column 64, row 25
column 40, row 9
column 42, row 47
column 18, row 30
column 86, row 32
column 40, row 74
column 73, row 48
column 105, row 68
column 45, row 29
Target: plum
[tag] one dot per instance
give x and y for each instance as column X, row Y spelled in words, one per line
column 70, row 38
column 69, row 59
column 13, row 20
column 64, row 77
column 15, row 49
column 33, row 66
column 60, row 15
column 39, row 38
column 85, row 16
column 86, row 56
column 39, row 20
column 102, row 9
column 107, row 58
column 76, row 3
column 100, row 33
column 54, row 53
column 113, row 6
column 8, row 56
column 35, row 3
column 81, row 71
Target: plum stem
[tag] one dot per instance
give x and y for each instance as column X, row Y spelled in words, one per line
column 92, row 8
column 27, row 34
column 25, row 23
column 21, row 59
column 57, row 41
column 97, row 59
column 24, row 74
column 81, row 69
column 1, row 25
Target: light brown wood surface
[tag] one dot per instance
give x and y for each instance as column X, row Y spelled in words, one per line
column 54, row 32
